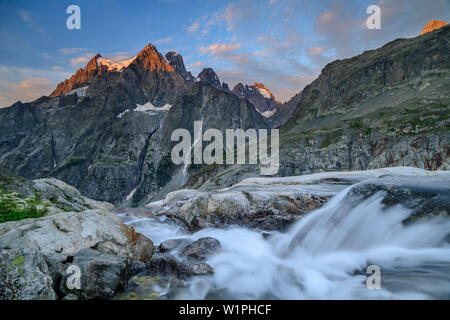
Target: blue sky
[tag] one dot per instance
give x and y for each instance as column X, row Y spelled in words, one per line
column 282, row 43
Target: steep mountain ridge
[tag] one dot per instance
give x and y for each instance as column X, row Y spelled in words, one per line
column 386, row 107
column 433, row 25
column 176, row 61
column 261, row 97
column 82, row 75
column 110, row 138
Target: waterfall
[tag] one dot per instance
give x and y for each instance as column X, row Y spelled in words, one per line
column 325, row 255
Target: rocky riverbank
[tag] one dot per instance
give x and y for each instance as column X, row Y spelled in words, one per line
column 159, row 250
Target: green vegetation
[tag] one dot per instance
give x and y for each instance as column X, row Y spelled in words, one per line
column 360, row 126
column 13, row 208
column 18, row 262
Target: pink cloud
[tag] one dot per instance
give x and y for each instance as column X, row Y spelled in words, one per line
column 314, row 51
column 25, row 91
column 220, row 49
column 193, row 28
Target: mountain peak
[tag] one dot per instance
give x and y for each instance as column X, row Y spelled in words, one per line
column 150, row 59
column 92, row 69
column 433, row 25
column 208, row 75
column 176, row 61
column 263, row 90
column 261, row 97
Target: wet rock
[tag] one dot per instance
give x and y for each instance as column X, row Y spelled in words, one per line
column 202, row 248
column 177, row 283
column 270, row 204
column 171, row 244
column 166, row 264
column 201, row 268
column 141, row 247
column 24, row 275
column 427, row 197
column 145, row 288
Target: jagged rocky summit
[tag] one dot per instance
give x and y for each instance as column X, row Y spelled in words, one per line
column 108, row 132
column 433, row 25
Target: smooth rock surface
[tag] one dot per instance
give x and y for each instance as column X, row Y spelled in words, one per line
column 202, row 248
column 62, row 235
column 267, row 203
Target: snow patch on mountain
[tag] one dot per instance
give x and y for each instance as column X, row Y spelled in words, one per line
column 265, row 93
column 268, row 113
column 81, row 92
column 114, row 65
column 150, row 107
column 120, row 115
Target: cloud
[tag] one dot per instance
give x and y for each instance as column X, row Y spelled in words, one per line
column 69, row 51
column 27, row 84
column 82, row 60
column 314, row 51
column 164, row 40
column 325, row 18
column 231, row 15
column 220, row 49
column 30, row 19
column 25, row 91
column 193, row 28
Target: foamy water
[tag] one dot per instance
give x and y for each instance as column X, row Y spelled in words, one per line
column 325, row 255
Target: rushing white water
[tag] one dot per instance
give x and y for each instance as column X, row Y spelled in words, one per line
column 325, row 255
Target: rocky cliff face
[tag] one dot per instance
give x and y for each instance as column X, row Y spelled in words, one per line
column 284, row 113
column 386, row 107
column 91, row 70
column 208, row 75
column 111, row 138
column 176, row 61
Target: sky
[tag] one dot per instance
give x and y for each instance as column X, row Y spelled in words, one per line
column 281, row 43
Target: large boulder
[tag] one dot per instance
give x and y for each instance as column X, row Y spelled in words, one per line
column 102, row 275
column 107, row 252
column 202, row 248
column 62, row 235
column 24, row 275
column 166, row 264
column 425, row 197
column 171, row 245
